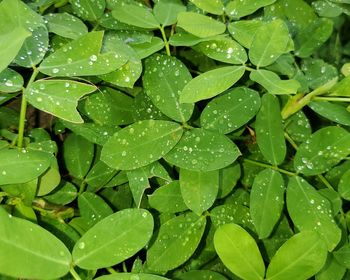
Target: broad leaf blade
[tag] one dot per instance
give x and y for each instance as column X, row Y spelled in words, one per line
column 140, row 144
column 211, row 83
column 126, row 231
column 301, row 257
column 239, row 252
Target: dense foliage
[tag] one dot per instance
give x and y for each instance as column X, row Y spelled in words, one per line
column 169, row 139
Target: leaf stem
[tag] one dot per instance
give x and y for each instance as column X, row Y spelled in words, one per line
column 23, row 112
column 325, row 182
column 82, row 187
column 335, row 99
column 74, row 273
column 273, row 167
column 111, row 270
column 166, row 43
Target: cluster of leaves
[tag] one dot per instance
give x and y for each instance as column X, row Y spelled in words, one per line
column 201, row 139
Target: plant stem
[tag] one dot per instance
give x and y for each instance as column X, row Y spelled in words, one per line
column 74, row 274
column 270, row 166
column 325, row 182
column 166, row 43
column 22, row 116
column 291, row 141
column 111, row 270
column 82, row 187
column 335, row 99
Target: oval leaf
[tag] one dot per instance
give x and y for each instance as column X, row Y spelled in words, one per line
column 203, row 150
column 239, row 252
column 164, row 78
column 230, row 111
column 199, row 189
column 29, row 251
column 266, row 201
column 299, row 258
column 269, row 130
column 114, row 239
column 324, row 149
column 211, row 83
column 177, row 240
column 140, row 144
column 311, row 211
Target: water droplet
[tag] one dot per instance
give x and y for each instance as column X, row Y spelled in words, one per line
column 81, row 245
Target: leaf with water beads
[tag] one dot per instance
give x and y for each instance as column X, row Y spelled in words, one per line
column 199, row 189
column 23, row 242
column 90, row 10
column 215, row 7
column 131, row 276
column 58, row 97
column 140, row 144
column 311, row 211
column 344, row 185
column 166, row 11
column 231, row 110
column 237, row 9
column 211, row 83
column 266, row 201
column 32, row 163
column 163, row 80
column 10, row 81
column 324, row 149
column 300, row 257
column 177, row 240
column 114, row 239
column 224, row 50
column 203, row 150
column 82, row 57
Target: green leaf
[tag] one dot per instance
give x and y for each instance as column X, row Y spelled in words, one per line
column 65, row 25
column 129, row 72
column 331, row 270
column 164, row 78
column 64, row 194
column 203, row 150
column 126, row 232
column 266, row 201
column 239, row 252
column 199, row 189
column 224, row 50
column 200, row 25
column 17, row 23
column 244, row 31
column 176, row 241
column 238, row 9
column 342, row 256
column 311, row 211
column 166, row 11
column 82, row 57
column 341, row 88
column 140, row 144
column 228, row 178
column 215, row 7
column 269, row 130
column 231, row 110
column 90, row 10
column 32, row 165
column 270, row 41
column 93, row 208
column 146, row 49
column 324, row 149
column 78, row 154
column 131, row 276
column 343, row 186
column 301, row 257
column 34, row 48
column 135, row 15
column 109, row 107
column 298, row 127
column 29, row 251
column 167, row 198
column 334, row 112
column 99, row 175
column 211, row 83
column 10, row 81
column 308, row 40
column 273, row 83
column 58, row 97
column 200, row 275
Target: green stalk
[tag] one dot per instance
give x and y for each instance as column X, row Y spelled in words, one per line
column 273, row 167
column 22, row 116
column 334, row 99
column 166, row 43
column 74, row 274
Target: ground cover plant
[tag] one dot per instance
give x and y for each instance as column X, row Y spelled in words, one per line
column 153, row 140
